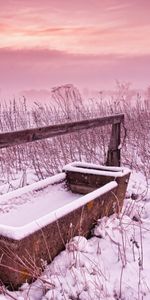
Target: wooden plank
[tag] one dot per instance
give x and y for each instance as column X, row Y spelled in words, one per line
column 30, row 135
column 113, row 155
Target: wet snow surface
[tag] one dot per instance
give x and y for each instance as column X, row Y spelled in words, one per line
column 113, row 264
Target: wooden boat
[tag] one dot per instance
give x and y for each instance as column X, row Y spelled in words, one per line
column 42, row 217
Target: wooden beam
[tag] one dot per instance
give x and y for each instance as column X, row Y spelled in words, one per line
column 8, row 139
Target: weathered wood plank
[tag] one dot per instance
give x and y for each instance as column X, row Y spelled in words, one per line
column 8, row 139
column 113, row 155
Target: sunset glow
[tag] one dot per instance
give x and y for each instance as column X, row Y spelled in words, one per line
column 89, row 42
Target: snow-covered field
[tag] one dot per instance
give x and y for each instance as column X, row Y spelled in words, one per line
column 113, row 264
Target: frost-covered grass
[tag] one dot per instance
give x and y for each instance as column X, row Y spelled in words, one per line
column 27, row 163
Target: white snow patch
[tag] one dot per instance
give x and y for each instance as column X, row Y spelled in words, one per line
column 88, row 168
column 33, row 187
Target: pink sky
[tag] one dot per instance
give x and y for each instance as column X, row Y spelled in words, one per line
column 90, row 43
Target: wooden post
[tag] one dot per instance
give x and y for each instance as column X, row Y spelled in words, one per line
column 113, row 155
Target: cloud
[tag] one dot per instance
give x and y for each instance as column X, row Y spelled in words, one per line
column 105, row 39
column 89, row 43
column 93, row 26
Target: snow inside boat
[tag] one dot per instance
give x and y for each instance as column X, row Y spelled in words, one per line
column 36, row 221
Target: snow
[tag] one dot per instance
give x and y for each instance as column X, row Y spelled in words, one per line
column 33, row 187
column 39, row 205
column 88, row 168
column 112, row 264
column 16, row 212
